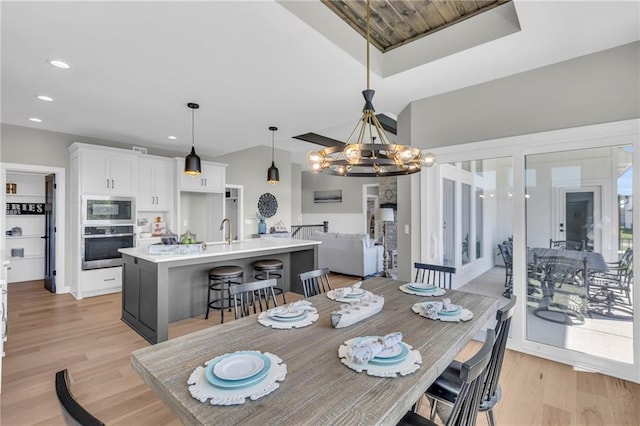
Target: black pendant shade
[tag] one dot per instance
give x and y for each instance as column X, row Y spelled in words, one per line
column 273, row 174
column 192, row 165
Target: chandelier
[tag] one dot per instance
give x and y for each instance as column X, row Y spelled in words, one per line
column 366, row 156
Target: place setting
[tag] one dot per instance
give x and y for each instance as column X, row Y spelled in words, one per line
column 294, row 315
column 352, row 294
column 422, row 289
column 231, row 378
column 380, row 356
column 442, row 310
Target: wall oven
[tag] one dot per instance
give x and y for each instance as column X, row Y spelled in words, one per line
column 105, row 210
column 100, row 244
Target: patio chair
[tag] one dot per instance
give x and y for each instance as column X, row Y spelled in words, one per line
column 507, row 258
column 565, row 244
column 438, row 275
column 609, row 293
column 447, row 386
column 471, row 379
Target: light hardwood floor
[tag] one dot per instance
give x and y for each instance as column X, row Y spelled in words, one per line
column 50, row 332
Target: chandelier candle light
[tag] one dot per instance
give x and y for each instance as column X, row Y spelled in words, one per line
column 364, row 158
column 273, row 174
column 192, row 165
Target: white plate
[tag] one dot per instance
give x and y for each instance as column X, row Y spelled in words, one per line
column 238, row 367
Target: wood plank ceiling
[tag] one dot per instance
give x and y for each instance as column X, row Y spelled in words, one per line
column 397, row 22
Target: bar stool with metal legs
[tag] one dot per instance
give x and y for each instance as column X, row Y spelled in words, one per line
column 220, row 279
column 265, row 269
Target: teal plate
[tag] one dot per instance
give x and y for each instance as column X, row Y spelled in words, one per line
column 289, row 319
column 233, row 384
column 423, row 289
column 453, row 312
column 390, row 360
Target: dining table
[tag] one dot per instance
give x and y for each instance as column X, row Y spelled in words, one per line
column 318, row 387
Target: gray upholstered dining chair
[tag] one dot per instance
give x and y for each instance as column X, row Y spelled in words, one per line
column 446, row 387
column 438, row 275
column 471, row 378
column 315, row 282
column 256, row 296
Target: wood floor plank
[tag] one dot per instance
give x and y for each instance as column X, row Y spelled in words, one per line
column 50, row 332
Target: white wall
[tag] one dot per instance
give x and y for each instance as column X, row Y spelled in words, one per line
column 347, row 223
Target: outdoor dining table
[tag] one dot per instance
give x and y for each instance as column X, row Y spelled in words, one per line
column 318, row 388
column 595, row 261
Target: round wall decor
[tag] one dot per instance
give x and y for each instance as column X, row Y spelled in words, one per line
column 267, row 205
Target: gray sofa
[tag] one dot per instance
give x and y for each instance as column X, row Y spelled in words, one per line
column 349, row 254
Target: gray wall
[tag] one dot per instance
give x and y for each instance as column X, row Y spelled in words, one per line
column 351, row 193
column 598, row 88
column 592, row 89
column 249, row 168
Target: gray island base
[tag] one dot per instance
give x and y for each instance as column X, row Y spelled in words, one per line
column 159, row 289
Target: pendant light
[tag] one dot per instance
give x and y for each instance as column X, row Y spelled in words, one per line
column 273, row 174
column 192, row 165
column 364, row 156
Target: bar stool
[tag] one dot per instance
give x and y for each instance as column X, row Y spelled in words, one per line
column 220, row 279
column 269, row 268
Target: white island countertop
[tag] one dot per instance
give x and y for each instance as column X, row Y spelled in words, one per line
column 221, row 248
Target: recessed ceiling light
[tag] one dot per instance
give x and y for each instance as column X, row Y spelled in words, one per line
column 45, row 98
column 172, row 137
column 60, row 64
column 35, row 120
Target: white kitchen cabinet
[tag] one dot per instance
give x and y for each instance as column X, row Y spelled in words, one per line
column 155, row 184
column 96, row 282
column 212, row 178
column 105, row 172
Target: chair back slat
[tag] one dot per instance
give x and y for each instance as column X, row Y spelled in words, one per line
column 503, row 324
column 315, row 282
column 438, row 275
column 472, row 372
column 254, row 296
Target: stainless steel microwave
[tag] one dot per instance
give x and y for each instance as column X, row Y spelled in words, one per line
column 106, row 210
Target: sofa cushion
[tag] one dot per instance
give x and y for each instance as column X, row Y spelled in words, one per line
column 351, row 236
column 318, row 235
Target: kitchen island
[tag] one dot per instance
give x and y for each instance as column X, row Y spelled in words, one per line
column 159, row 289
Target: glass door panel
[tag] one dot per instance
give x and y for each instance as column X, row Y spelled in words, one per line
column 448, row 221
column 578, row 206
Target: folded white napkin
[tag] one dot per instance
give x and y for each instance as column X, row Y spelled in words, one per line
column 344, row 291
column 431, row 309
column 364, row 351
column 300, row 304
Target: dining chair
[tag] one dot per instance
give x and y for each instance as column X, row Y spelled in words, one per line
column 257, row 295
column 72, row 412
column 446, row 387
column 315, row 282
column 471, row 376
column 438, row 275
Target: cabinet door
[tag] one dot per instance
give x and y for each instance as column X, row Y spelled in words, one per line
column 94, row 173
column 123, row 174
column 164, row 186
column 213, row 177
column 146, row 197
column 192, row 183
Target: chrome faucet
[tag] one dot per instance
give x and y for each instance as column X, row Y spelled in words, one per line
column 229, row 238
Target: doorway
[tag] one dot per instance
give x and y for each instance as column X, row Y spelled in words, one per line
column 370, row 202
column 31, row 241
column 233, row 209
column 578, row 210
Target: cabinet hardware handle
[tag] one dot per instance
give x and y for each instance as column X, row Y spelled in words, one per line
column 113, row 185
column 109, row 279
column 107, row 183
column 205, row 181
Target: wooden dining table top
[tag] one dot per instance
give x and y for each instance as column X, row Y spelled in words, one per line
column 318, row 388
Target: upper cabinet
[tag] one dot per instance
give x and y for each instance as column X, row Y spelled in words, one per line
column 106, row 172
column 212, row 178
column 155, row 183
